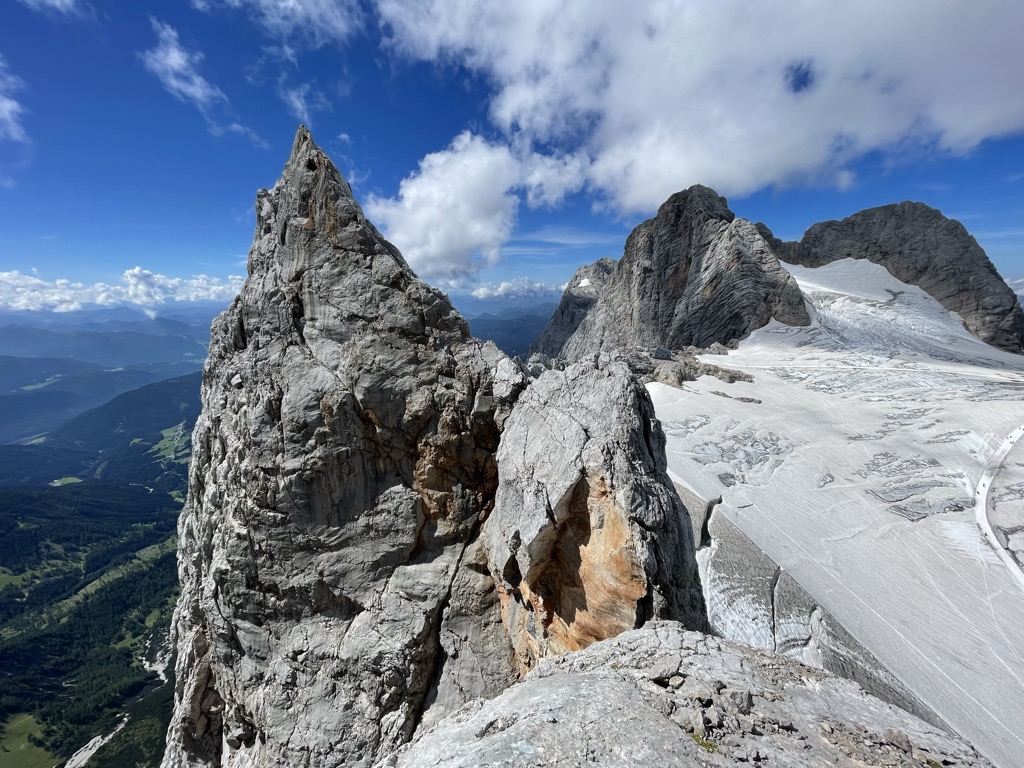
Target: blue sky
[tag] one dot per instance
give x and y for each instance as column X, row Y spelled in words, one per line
column 499, row 145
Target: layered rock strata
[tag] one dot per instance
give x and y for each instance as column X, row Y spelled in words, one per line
column 663, row 696
column 920, row 246
column 693, row 275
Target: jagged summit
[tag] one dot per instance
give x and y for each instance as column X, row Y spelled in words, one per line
column 340, row 465
column 917, row 244
column 692, row 275
column 699, row 202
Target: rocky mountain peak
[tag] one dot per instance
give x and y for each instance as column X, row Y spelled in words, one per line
column 697, row 203
column 337, row 588
column 917, row 244
column 693, row 275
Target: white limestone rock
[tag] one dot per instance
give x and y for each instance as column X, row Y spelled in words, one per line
column 588, row 537
column 663, row 696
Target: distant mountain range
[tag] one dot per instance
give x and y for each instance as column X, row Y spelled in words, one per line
column 513, row 329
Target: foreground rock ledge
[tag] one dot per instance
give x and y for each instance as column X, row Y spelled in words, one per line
column 663, row 696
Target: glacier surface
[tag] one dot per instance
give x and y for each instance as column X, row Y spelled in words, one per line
column 875, row 460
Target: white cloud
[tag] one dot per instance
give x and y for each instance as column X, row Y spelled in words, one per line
column 137, row 286
column 177, row 68
column 11, row 111
column 312, row 23
column 451, row 217
column 521, row 287
column 68, row 7
column 643, row 99
column 303, row 100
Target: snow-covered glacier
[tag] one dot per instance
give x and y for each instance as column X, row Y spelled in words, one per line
column 874, row 462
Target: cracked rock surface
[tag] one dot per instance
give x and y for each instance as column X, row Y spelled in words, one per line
column 337, row 590
column 342, row 466
column 663, row 696
column 588, row 538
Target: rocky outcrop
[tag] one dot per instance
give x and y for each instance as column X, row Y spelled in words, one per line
column 587, row 538
column 692, row 275
column 581, row 293
column 337, row 592
column 920, row 246
column 663, row 696
column 341, row 468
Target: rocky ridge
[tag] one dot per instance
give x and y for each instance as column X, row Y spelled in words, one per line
column 588, row 538
column 693, row 275
column 920, row 246
column 389, row 522
column 336, row 590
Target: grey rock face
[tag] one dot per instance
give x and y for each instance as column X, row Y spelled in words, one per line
column 582, row 292
column 920, row 246
column 337, row 589
column 588, row 537
column 342, row 466
column 693, row 275
column 663, row 696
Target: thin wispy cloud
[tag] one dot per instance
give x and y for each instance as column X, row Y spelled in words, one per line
column 309, row 23
column 11, row 110
column 177, row 69
column 138, row 286
column 569, row 237
column 303, row 100
column 67, row 7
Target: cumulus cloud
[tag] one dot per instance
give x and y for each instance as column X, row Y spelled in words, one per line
column 177, row 68
column 311, row 23
column 11, row 111
column 452, row 215
column 642, row 99
column 139, row 286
